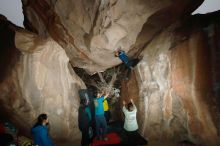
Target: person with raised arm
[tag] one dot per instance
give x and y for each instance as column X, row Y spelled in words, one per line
column 130, row 123
column 101, row 124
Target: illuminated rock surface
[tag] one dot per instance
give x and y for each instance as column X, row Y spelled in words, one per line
column 175, row 85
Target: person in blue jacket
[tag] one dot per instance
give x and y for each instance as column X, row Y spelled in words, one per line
column 124, row 58
column 40, row 131
column 129, row 63
column 101, row 124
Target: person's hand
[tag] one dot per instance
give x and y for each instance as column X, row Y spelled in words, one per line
column 106, row 94
column 124, row 102
column 98, row 95
column 116, row 54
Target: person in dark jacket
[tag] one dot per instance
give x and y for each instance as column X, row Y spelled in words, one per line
column 40, row 131
column 84, row 122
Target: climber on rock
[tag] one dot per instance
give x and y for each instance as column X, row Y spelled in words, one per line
column 129, row 63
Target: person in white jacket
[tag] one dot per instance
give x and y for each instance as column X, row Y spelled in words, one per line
column 130, row 123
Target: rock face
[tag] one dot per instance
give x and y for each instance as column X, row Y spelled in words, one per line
column 175, row 85
column 90, row 31
column 42, row 81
